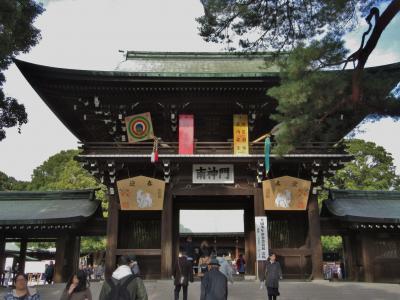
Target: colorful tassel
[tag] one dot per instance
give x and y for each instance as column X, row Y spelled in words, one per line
column 267, row 150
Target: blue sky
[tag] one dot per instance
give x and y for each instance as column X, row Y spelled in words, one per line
column 87, row 34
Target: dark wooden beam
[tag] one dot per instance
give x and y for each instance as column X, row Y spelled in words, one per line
column 112, row 234
column 139, row 252
column 349, row 256
column 250, row 240
column 67, row 257
column 367, row 257
column 2, row 253
column 22, row 255
column 166, row 234
column 314, row 232
column 61, row 248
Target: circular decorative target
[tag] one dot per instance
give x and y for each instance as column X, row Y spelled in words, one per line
column 139, row 127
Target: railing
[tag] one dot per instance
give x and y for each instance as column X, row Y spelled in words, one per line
column 202, row 147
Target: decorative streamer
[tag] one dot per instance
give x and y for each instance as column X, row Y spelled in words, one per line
column 154, row 154
column 186, row 134
column 267, row 150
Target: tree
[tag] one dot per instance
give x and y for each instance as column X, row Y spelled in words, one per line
column 17, row 34
column 331, row 243
column 306, row 37
column 62, row 172
column 371, row 169
column 92, row 244
column 11, row 184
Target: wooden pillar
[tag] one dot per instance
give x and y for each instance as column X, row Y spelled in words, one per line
column 60, row 255
column 72, row 257
column 367, row 258
column 166, row 235
column 112, row 235
column 22, row 255
column 175, row 234
column 250, row 239
column 2, row 253
column 314, row 232
column 349, row 259
column 67, row 257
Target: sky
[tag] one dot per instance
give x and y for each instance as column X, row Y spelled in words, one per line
column 87, row 34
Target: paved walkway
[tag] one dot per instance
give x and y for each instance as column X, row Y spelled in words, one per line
column 249, row 290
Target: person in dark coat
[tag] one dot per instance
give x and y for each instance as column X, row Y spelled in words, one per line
column 241, row 264
column 49, row 273
column 214, row 285
column 273, row 273
column 190, row 255
column 182, row 274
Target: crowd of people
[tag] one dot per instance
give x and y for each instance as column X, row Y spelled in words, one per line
column 214, row 270
column 93, row 271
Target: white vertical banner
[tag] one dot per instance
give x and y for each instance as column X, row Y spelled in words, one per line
column 261, row 238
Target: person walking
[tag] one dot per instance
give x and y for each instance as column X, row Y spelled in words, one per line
column 21, row 291
column 273, row 273
column 241, row 264
column 182, row 274
column 9, row 276
column 49, row 272
column 123, row 285
column 77, row 288
column 135, row 266
column 225, row 268
column 214, row 285
column 190, row 255
column 205, row 249
column 203, row 266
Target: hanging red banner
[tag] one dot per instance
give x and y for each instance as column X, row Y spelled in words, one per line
column 186, row 134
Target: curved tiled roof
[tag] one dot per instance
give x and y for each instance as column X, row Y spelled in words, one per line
column 54, row 207
column 199, row 64
column 363, row 206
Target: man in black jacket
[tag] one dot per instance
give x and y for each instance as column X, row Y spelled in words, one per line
column 214, row 285
column 182, row 274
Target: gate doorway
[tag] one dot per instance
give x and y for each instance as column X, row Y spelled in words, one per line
column 220, row 240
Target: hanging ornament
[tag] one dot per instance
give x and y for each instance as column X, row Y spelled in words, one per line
column 267, row 150
column 154, row 154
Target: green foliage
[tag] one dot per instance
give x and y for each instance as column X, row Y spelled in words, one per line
column 17, row 34
column 371, row 169
column 277, row 25
column 306, row 38
column 62, row 172
column 11, row 184
column 92, row 244
column 331, row 243
column 303, row 98
column 41, row 245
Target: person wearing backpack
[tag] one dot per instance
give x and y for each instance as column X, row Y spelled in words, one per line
column 123, row 285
